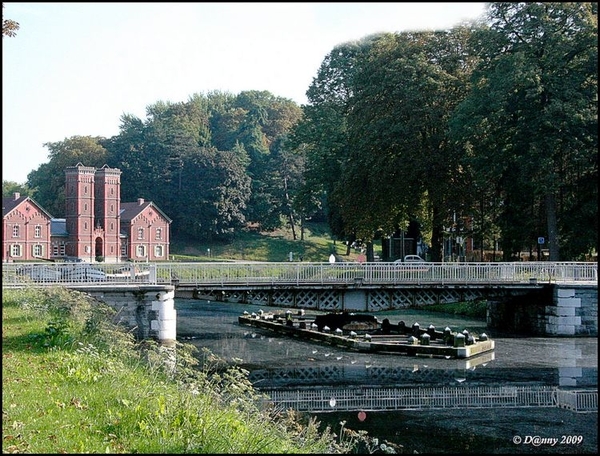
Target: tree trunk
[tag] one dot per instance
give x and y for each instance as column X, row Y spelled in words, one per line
column 370, row 252
column 552, row 225
column 437, row 237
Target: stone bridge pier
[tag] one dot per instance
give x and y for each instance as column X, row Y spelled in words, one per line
column 148, row 310
column 553, row 310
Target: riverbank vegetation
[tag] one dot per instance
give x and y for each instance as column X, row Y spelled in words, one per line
column 74, row 382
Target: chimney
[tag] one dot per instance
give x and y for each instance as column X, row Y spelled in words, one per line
column 17, row 195
column 140, row 201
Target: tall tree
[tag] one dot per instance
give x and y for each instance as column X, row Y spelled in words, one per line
column 9, row 188
column 264, row 124
column 48, row 181
column 400, row 160
column 530, row 122
column 322, row 134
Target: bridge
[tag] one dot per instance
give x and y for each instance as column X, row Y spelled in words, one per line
column 539, row 298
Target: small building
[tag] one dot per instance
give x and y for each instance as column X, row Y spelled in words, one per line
column 96, row 227
column 144, row 231
column 26, row 230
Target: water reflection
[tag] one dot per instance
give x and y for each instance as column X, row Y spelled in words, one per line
column 283, row 365
column 278, row 361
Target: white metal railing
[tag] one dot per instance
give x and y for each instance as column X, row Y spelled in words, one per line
column 580, row 401
column 300, row 273
column 344, row 399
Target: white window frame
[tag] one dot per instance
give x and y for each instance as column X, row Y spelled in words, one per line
column 37, row 231
column 140, row 251
column 16, row 251
column 159, row 251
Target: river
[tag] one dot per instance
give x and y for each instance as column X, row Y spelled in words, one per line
column 274, row 361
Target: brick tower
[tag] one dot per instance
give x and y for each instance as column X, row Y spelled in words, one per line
column 107, row 208
column 92, row 198
column 79, row 214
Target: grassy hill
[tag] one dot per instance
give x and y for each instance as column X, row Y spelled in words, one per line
column 253, row 245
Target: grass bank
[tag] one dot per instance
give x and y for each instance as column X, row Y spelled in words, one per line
column 251, row 245
column 73, row 382
column 472, row 309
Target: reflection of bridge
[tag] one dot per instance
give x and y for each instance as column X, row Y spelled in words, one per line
column 357, row 373
column 378, row 399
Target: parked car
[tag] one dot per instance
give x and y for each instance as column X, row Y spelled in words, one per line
column 40, row 273
column 413, row 263
column 411, row 259
column 82, row 273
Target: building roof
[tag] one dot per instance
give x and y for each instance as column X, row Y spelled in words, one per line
column 12, row 202
column 130, row 211
column 58, row 227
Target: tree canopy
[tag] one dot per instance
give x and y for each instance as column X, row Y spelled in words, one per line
column 485, row 131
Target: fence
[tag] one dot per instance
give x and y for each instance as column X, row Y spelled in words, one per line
column 301, row 273
column 378, row 399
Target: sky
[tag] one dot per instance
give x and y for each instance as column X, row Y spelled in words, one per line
column 74, row 69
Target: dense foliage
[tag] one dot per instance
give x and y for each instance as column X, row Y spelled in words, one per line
column 487, row 131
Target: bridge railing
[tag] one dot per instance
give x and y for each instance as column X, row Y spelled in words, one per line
column 299, row 273
column 394, row 398
column 376, row 273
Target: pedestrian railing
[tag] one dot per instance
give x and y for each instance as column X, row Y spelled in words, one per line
column 300, row 273
column 377, row 399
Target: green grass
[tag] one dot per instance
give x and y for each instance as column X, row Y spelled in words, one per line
column 252, row 245
column 72, row 382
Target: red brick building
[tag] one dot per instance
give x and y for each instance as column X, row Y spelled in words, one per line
column 25, row 229
column 96, row 227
